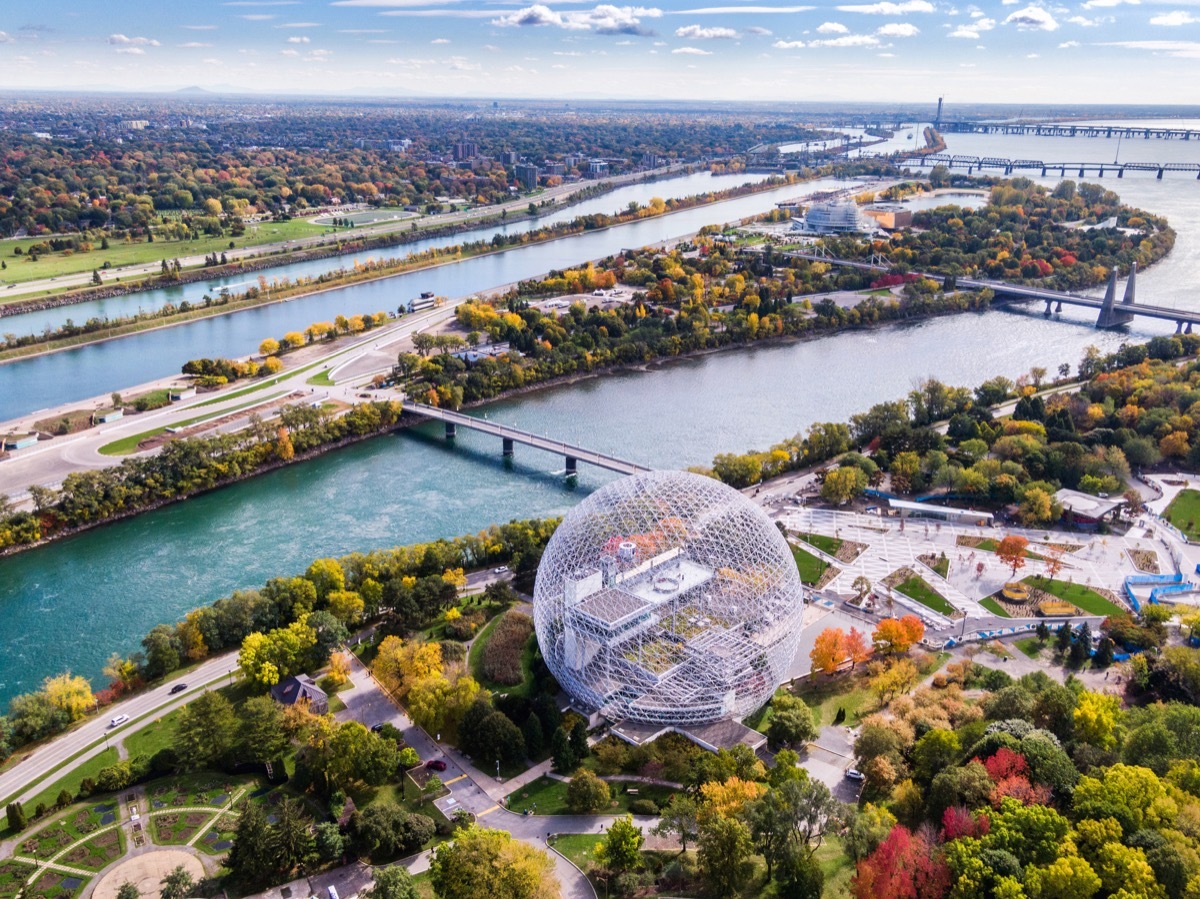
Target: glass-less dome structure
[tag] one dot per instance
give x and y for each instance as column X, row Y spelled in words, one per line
column 668, row 598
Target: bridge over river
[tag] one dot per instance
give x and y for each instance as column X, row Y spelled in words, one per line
column 1081, row 169
column 510, row 436
column 1065, row 129
column 1112, row 314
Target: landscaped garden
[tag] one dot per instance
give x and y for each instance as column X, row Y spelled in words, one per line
column 1184, row 512
column 912, row 585
column 550, row 797
column 98, row 852
column 13, row 875
column 810, row 567
column 1079, row 595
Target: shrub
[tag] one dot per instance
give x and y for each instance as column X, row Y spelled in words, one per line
column 502, row 653
column 644, row 807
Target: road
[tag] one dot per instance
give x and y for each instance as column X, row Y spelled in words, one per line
column 555, row 195
column 48, row 757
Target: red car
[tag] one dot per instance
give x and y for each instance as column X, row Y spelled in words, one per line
column 436, row 765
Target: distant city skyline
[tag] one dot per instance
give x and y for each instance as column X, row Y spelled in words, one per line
column 1005, row 51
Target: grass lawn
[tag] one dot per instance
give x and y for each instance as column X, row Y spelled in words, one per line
column 580, row 848
column 827, row 694
column 942, row 565
column 72, row 779
column 811, row 568
column 916, row 588
column 1184, row 512
column 994, row 607
column 423, row 885
column 827, row 545
column 550, row 797
column 837, row 867
column 320, row 379
column 1077, row 594
column 157, row 734
column 1031, row 646
column 987, row 544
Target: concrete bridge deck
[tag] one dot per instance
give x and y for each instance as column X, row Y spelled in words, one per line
column 509, row 436
column 1064, row 129
column 1011, row 166
column 1112, row 313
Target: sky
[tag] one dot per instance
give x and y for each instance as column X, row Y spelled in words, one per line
column 1010, row 51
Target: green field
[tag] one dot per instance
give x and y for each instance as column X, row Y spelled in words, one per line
column 128, row 445
column 74, row 778
column 157, row 734
column 1031, row 646
column 827, row 694
column 1184, row 512
column 827, row 545
column 1077, row 594
column 994, row 607
column 580, row 848
column 916, row 588
column 811, row 568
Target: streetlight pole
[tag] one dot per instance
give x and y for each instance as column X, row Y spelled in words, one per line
column 497, row 769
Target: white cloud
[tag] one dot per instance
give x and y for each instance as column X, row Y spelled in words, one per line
column 759, row 30
column 965, row 32
column 691, row 51
column 1032, row 18
column 1068, row 45
column 299, row 25
column 847, row 40
column 1083, row 21
column 257, row 17
column 885, row 55
column 789, row 45
column 898, row 29
column 696, row 32
column 604, row 19
column 132, row 51
column 888, row 8
column 289, row 52
column 120, row 40
column 192, row 44
column 738, row 10
column 1174, row 19
column 984, row 24
column 298, row 40
column 832, row 28
column 1179, row 49
column 440, row 40
column 1107, row 4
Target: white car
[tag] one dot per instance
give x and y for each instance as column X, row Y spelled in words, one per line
column 855, row 774
column 118, row 721
column 503, row 569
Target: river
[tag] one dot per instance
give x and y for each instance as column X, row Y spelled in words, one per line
column 68, row 605
column 56, row 378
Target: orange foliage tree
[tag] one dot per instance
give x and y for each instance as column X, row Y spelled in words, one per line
column 898, row 635
column 857, row 647
column 1011, row 551
column 828, row 650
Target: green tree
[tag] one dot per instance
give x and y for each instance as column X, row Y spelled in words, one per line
column 252, row 856
column 329, row 842
column 178, row 884
column 843, row 484
column 725, row 847
column 292, row 835
column 792, row 722
column 799, row 876
column 870, row 827
column 587, row 793
column 261, row 734
column 681, row 817
column 560, row 751
column 933, row 753
column 620, row 850
column 770, row 822
column 16, row 817
column 391, row 883
column 128, row 890
column 206, row 731
column 490, row 864
column 579, row 741
column 1067, row 877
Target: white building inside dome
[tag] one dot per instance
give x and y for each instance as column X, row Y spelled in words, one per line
column 833, row 218
column 668, row 599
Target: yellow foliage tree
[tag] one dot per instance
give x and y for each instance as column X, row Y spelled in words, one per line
column 346, row 606
column 339, row 668
column 70, row 693
column 728, row 799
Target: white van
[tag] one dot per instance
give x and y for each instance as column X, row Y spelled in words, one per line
column 118, row 721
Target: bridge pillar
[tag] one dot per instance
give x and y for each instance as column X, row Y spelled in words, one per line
column 1047, row 312
column 451, row 430
column 1112, row 315
column 507, row 449
column 1043, row 171
column 1081, row 171
column 572, row 467
column 1188, row 329
column 1130, row 287
column 1178, row 327
column 1121, row 172
column 1160, row 173
column 1058, row 308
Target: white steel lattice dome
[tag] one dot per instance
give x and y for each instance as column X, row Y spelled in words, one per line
column 668, row 598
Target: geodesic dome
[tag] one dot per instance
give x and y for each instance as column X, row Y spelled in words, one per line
column 668, row 598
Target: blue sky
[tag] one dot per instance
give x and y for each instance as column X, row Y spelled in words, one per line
column 1014, row 51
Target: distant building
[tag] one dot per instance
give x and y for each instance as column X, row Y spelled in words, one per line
column 554, row 168
column 527, row 176
column 293, row 690
column 509, row 157
column 833, row 218
column 1084, row 510
column 135, row 124
column 597, row 168
column 110, row 415
column 465, row 149
column 892, row 217
column 652, row 160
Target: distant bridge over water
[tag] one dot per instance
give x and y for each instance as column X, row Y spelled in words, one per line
column 1080, row 169
column 509, row 436
column 1112, row 314
column 1064, row 129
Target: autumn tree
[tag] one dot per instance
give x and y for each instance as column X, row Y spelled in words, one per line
column 894, row 636
column 829, row 649
column 843, row 484
column 1011, row 551
column 491, row 864
column 857, row 648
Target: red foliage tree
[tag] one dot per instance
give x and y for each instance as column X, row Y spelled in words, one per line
column 958, row 821
column 1005, row 764
column 906, row 865
column 1019, row 788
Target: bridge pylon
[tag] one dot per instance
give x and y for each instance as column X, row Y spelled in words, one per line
column 1111, row 315
column 1130, row 287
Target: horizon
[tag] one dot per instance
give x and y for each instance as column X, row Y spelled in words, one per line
column 1095, row 52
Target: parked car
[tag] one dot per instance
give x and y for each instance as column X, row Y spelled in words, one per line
column 855, row 774
column 178, row 688
column 376, row 728
column 435, row 765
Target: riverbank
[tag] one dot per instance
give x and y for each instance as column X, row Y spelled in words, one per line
column 339, row 278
